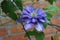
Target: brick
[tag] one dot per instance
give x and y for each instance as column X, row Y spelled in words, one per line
column 3, row 31
column 20, row 28
column 43, row 5
column 12, row 38
column 34, row 1
column 59, row 21
column 57, row 3
column 36, row 5
column 48, row 30
column 16, row 37
column 27, row 3
column 21, row 37
column 14, row 29
column 5, row 38
column 48, row 38
column 54, row 20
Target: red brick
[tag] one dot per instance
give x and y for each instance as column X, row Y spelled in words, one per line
column 43, row 5
column 3, row 31
column 27, row 2
column 16, row 37
column 58, row 3
column 48, row 38
column 14, row 30
column 54, row 21
column 20, row 28
column 21, row 37
column 58, row 12
column 5, row 38
column 36, row 5
column 12, row 38
column 48, row 30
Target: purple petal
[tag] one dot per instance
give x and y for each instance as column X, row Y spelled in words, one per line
column 28, row 21
column 27, row 26
column 40, row 12
column 26, row 16
column 41, row 20
column 34, row 20
column 39, row 27
column 24, row 12
column 29, row 8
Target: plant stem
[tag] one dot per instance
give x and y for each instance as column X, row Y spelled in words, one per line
column 26, row 32
column 53, row 25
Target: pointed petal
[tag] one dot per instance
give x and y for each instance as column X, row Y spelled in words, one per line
column 39, row 27
column 26, row 16
column 28, row 21
column 34, row 20
column 42, row 20
column 29, row 8
column 27, row 26
column 24, row 12
column 40, row 12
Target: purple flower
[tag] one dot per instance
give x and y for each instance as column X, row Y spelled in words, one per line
column 34, row 17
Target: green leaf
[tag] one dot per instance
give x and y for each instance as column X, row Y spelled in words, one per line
column 8, row 6
column 51, row 1
column 30, row 33
column 49, row 7
column 55, row 12
column 48, row 15
column 45, row 24
column 39, row 36
column 12, row 16
column 19, row 4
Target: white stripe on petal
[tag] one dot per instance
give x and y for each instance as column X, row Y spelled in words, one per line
column 39, row 27
column 27, row 26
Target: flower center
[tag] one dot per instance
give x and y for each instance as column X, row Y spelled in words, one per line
column 33, row 14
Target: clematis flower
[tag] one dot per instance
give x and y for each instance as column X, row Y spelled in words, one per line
column 34, row 17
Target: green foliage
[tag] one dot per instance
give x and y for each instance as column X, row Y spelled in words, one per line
column 8, row 7
column 38, row 35
column 19, row 4
column 51, row 1
column 51, row 7
column 12, row 16
column 45, row 24
column 49, row 15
